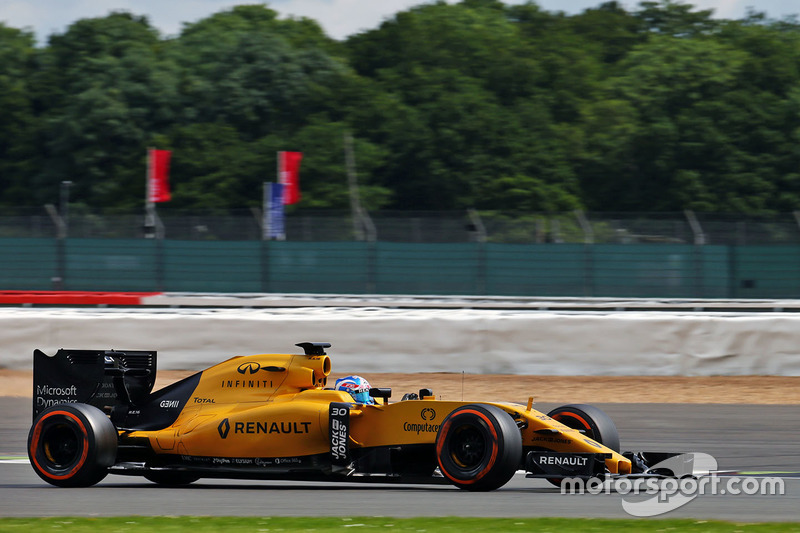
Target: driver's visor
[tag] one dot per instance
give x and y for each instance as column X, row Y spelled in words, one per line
column 361, row 397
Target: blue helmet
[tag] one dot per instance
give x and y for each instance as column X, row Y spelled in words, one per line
column 358, row 388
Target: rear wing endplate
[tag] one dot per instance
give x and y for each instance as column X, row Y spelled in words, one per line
column 103, row 378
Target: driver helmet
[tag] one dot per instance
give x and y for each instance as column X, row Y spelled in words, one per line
column 358, row 388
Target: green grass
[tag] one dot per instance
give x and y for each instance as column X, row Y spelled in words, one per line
column 136, row 524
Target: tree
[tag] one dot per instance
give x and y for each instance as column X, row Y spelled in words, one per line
column 264, row 85
column 263, row 76
column 476, row 104
column 666, row 17
column 676, row 131
column 469, row 79
column 105, row 91
column 16, row 115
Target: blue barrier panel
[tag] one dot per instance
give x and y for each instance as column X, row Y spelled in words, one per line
column 215, row 266
column 646, row 270
column 716, row 272
column 425, row 268
column 318, row 267
column 28, row 264
column 111, row 265
column 613, row 270
column 536, row 269
column 768, row 271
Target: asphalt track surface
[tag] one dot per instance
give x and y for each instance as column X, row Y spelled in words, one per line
column 755, row 440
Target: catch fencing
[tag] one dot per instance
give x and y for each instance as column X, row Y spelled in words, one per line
column 569, row 254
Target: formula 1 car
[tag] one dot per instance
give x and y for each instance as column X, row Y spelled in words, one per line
column 271, row 416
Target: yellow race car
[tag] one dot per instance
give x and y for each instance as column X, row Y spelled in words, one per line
column 273, row 416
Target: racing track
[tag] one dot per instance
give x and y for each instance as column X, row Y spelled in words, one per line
column 741, row 437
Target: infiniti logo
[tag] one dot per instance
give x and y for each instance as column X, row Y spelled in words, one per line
column 251, row 367
column 223, row 428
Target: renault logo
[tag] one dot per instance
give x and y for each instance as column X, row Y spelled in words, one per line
column 223, row 428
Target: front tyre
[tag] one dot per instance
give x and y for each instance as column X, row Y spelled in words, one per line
column 594, row 423
column 72, row 445
column 479, row 447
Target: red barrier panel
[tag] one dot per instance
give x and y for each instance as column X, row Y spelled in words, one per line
column 73, row 297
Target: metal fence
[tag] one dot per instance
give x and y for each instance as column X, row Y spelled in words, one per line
column 683, row 255
column 419, row 227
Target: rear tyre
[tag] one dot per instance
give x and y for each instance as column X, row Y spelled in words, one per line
column 479, row 447
column 594, row 422
column 72, row 445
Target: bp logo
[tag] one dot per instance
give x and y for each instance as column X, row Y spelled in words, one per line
column 428, row 414
column 223, row 428
column 250, row 367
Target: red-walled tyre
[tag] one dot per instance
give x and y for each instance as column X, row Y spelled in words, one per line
column 594, row 422
column 72, row 445
column 479, row 447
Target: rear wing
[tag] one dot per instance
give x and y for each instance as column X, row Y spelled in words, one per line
column 103, row 378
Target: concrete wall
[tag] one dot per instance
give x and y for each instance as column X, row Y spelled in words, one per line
column 371, row 339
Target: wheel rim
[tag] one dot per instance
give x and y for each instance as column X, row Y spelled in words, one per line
column 467, row 446
column 61, row 446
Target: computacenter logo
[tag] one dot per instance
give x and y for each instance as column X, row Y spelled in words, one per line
column 696, row 475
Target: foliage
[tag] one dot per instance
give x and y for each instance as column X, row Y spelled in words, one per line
column 16, row 113
column 476, row 104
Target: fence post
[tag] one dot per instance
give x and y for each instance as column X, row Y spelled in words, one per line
column 262, row 220
column 352, row 187
column 699, row 240
column 59, row 281
column 733, row 274
column 161, row 259
column 480, row 237
column 588, row 247
column 372, row 250
column 265, row 270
